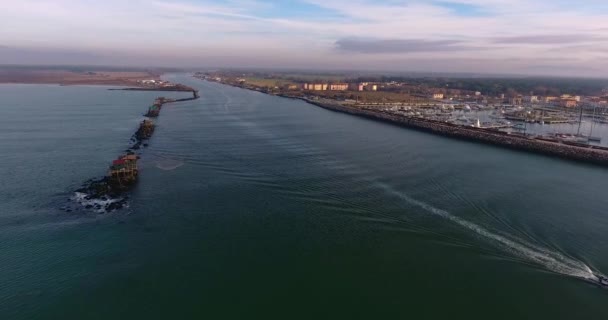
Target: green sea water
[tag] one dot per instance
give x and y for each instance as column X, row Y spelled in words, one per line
column 251, row 206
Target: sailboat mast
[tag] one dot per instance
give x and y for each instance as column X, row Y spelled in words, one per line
column 592, row 123
column 580, row 121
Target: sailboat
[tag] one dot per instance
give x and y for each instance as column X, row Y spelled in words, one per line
column 591, row 137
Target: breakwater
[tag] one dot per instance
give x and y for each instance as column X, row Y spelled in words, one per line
column 108, row 193
column 165, row 88
column 564, row 150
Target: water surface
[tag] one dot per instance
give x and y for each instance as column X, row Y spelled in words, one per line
column 253, row 206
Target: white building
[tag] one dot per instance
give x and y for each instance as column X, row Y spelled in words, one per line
column 531, row 99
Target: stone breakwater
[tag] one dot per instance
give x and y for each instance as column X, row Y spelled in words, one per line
column 108, row 193
column 584, row 153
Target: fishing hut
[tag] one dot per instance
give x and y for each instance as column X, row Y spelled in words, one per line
column 123, row 171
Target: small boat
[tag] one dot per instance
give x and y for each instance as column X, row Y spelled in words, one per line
column 602, row 280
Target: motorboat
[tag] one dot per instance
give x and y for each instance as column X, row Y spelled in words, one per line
column 599, row 280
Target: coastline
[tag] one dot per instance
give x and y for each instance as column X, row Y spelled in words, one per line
column 567, row 151
column 65, row 77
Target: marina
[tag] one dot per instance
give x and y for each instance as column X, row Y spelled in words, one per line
column 530, row 129
column 559, row 147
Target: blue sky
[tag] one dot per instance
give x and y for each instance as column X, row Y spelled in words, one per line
column 522, row 36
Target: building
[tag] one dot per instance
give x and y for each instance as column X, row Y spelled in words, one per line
column 477, row 93
column 358, row 86
column 531, row 99
column 371, row 87
column 550, row 99
column 354, row 87
column 315, row 86
column 568, row 103
column 437, row 96
column 516, row 101
column 362, row 86
column 338, row 86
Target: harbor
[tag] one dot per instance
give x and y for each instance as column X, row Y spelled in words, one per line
column 513, row 127
column 562, row 148
column 560, row 126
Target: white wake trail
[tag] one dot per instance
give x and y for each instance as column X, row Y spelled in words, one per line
column 552, row 260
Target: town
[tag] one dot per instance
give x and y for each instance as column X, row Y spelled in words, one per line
column 556, row 116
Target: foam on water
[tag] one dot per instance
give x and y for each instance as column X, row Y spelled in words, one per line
column 552, row 260
column 97, row 205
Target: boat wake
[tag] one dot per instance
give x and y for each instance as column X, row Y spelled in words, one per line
column 549, row 259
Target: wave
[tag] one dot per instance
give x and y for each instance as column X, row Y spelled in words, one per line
column 169, row 165
column 98, row 205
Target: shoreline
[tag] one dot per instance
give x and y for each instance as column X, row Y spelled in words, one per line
column 567, row 151
column 71, row 77
column 125, row 83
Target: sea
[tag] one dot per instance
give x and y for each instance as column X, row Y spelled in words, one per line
column 251, row 206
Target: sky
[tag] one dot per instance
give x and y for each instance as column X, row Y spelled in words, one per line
column 548, row 37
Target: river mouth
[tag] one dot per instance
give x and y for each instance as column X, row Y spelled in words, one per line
column 257, row 206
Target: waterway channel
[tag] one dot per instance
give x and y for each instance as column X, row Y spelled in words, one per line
column 255, row 206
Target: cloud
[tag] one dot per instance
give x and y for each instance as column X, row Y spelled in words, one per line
column 399, row 45
column 16, row 55
column 309, row 33
column 549, row 39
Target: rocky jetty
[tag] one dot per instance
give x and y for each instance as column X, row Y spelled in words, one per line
column 109, row 193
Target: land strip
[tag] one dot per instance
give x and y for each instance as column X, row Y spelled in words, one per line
column 80, row 77
column 547, row 145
